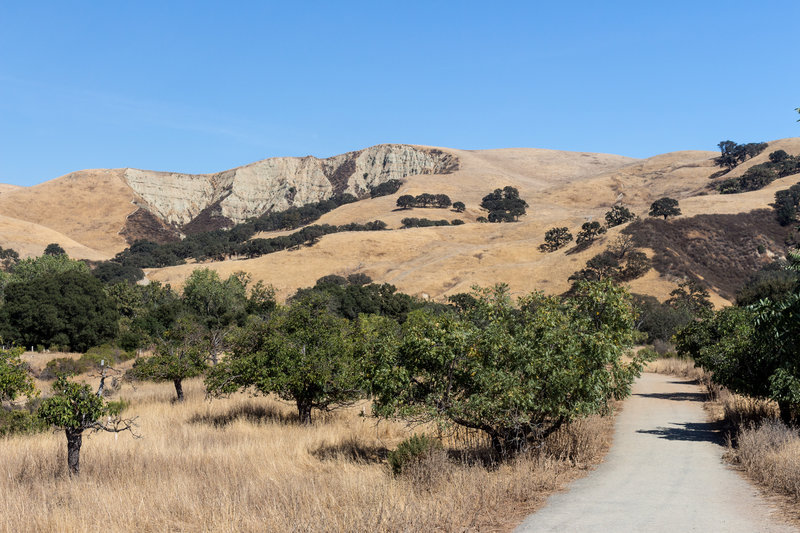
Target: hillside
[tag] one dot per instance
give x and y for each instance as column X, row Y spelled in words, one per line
column 95, row 211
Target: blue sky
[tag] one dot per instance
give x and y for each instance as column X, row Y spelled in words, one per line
column 206, row 86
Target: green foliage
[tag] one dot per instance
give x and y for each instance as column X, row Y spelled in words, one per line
column 787, row 204
column 618, row 215
column 146, row 311
column 773, row 282
column 659, row 321
column 20, row 422
column 459, row 207
column 61, row 308
column 621, row 262
column 112, row 273
column 504, row 205
column 555, row 238
column 29, row 269
column 181, row 354
column 355, row 295
column 589, row 233
column 752, row 350
column 14, row 377
column 54, row 249
column 410, row 450
column 215, row 302
column 516, row 374
column 302, row 352
column 72, row 406
column 665, row 207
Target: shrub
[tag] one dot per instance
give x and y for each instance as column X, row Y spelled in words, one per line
column 18, row 421
column 413, row 449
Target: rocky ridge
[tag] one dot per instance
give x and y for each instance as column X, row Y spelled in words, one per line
column 275, row 184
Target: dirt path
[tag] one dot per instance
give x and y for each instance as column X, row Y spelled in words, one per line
column 664, row 473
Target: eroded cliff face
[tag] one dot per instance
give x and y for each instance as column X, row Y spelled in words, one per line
column 275, row 184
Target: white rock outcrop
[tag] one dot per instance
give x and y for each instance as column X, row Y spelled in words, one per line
column 277, row 183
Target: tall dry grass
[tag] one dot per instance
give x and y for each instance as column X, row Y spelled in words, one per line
column 244, row 464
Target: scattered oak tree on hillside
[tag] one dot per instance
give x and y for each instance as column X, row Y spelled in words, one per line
column 589, row 233
column 504, row 205
column 665, row 207
column 54, row 249
column 459, row 207
column 555, row 238
column 618, row 215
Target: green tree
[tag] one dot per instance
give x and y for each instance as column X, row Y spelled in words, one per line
column 515, row 374
column 54, row 249
column 405, row 201
column 8, row 258
column 28, row 269
column 75, row 409
column 69, row 308
column 692, row 297
column 181, row 354
column 459, row 207
column 504, row 205
column 302, row 352
column 618, row 215
column 589, row 233
column 664, row 207
column 14, row 377
column 555, row 238
column 218, row 304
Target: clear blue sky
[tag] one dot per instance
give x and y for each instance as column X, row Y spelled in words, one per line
column 205, row 86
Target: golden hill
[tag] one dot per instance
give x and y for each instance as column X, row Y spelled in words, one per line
column 562, row 189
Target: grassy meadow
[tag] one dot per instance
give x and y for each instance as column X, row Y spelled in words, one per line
column 245, row 464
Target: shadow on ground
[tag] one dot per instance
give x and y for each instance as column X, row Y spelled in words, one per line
column 690, row 431
column 675, row 396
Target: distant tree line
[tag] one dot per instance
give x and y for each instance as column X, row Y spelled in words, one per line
column 731, row 153
column 787, row 205
column 780, row 165
column 425, row 199
column 412, row 222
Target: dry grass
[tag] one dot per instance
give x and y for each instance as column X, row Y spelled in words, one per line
column 770, row 454
column 244, row 464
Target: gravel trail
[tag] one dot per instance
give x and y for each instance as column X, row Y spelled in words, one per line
column 664, row 472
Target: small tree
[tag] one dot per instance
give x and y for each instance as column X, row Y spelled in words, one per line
column 664, row 207
column 692, row 297
column 504, row 205
column 302, row 353
column 181, row 354
column 75, row 409
column 618, row 215
column 589, row 233
column 555, row 238
column 54, row 249
column 459, row 207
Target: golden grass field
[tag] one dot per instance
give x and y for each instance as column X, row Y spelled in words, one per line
column 244, row 464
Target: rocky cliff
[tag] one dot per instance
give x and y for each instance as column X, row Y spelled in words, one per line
column 204, row 201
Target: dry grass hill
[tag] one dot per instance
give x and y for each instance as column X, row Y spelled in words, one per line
column 86, row 212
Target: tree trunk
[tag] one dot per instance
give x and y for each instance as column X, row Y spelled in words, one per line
column 304, row 410
column 178, row 389
column 74, row 441
column 786, row 412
